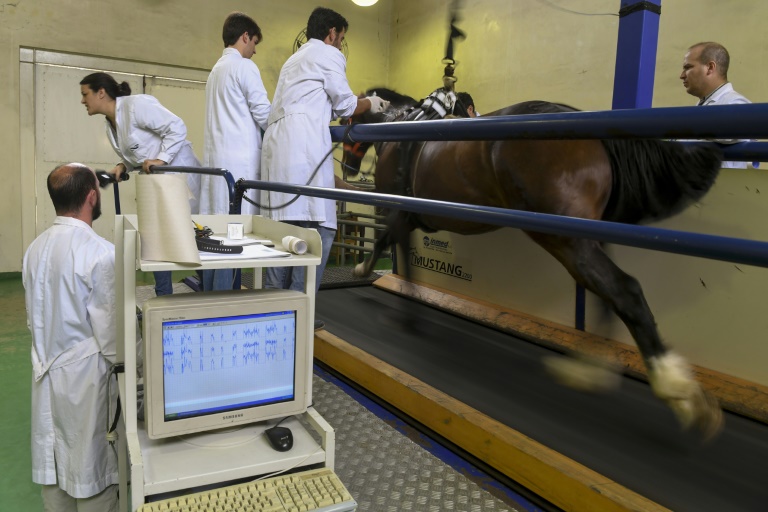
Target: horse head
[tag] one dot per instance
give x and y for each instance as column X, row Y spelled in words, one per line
column 399, row 104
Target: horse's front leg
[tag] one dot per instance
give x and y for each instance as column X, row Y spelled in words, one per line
column 669, row 374
column 387, row 238
column 365, row 268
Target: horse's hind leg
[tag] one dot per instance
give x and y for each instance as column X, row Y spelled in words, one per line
column 668, row 373
column 365, row 268
column 401, row 229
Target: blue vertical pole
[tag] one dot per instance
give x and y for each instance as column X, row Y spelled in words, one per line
column 636, row 54
column 633, row 76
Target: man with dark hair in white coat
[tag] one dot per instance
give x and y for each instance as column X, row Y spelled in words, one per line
column 69, row 281
column 236, row 112
column 312, row 90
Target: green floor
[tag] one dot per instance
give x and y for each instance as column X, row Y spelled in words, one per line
column 17, row 492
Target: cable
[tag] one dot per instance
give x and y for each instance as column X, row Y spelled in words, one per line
column 279, row 422
column 202, row 231
column 299, row 463
column 112, row 430
column 187, row 440
column 559, row 8
column 348, row 167
column 296, row 197
column 312, row 177
column 225, row 431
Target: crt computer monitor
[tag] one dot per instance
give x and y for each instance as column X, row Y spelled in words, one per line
column 219, row 359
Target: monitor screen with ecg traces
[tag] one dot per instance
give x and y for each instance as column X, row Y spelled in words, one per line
column 219, row 359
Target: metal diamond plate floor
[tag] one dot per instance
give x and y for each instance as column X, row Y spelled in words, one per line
column 385, row 471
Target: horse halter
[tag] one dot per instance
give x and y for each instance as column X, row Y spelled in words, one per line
column 355, row 149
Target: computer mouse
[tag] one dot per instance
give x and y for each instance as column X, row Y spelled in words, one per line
column 281, row 438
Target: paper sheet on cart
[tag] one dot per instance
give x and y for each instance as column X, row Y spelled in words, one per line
column 256, row 251
column 243, row 241
column 165, row 219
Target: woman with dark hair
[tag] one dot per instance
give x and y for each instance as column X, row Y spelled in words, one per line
column 143, row 133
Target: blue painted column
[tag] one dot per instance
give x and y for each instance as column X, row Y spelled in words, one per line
column 633, row 76
column 636, row 54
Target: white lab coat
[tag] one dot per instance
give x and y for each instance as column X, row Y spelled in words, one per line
column 236, row 111
column 725, row 95
column 312, row 90
column 146, row 130
column 69, row 278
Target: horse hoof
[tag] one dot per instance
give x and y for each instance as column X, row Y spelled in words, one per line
column 710, row 421
column 672, row 381
column 360, row 270
column 582, row 375
column 701, row 412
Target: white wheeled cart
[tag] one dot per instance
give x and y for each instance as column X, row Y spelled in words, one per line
column 167, row 465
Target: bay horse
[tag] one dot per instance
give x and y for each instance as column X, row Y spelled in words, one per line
column 629, row 181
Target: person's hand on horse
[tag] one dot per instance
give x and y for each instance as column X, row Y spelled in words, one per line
column 378, row 105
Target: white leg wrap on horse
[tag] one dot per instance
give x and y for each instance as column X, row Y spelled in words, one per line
column 583, row 374
column 672, row 380
column 670, row 377
column 361, row 270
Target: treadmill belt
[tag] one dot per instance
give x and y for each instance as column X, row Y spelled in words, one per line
column 628, row 436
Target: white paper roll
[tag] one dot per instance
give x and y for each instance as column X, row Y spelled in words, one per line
column 165, row 220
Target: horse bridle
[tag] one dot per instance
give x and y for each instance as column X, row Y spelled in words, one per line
column 356, row 148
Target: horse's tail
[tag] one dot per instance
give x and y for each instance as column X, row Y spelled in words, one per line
column 654, row 179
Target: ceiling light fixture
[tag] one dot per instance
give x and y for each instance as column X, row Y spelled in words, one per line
column 365, row 3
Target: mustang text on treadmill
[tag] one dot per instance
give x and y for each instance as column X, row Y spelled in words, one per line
column 439, row 266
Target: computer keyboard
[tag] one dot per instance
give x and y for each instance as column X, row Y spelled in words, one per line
column 316, row 490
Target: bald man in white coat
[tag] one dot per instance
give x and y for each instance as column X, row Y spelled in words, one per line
column 705, row 76
column 68, row 274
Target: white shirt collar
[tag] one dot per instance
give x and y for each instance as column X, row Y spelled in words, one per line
column 716, row 94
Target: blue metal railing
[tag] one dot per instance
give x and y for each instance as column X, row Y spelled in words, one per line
column 720, row 122
column 234, row 206
column 736, row 250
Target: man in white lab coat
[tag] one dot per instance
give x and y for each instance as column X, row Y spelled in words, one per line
column 236, row 112
column 311, row 91
column 69, row 281
column 705, row 76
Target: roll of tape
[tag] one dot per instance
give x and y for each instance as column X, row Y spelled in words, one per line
column 294, row 245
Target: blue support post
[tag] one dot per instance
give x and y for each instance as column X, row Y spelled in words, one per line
column 633, row 77
column 636, row 54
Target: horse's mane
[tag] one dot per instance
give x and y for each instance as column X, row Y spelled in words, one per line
column 534, row 107
column 397, row 99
